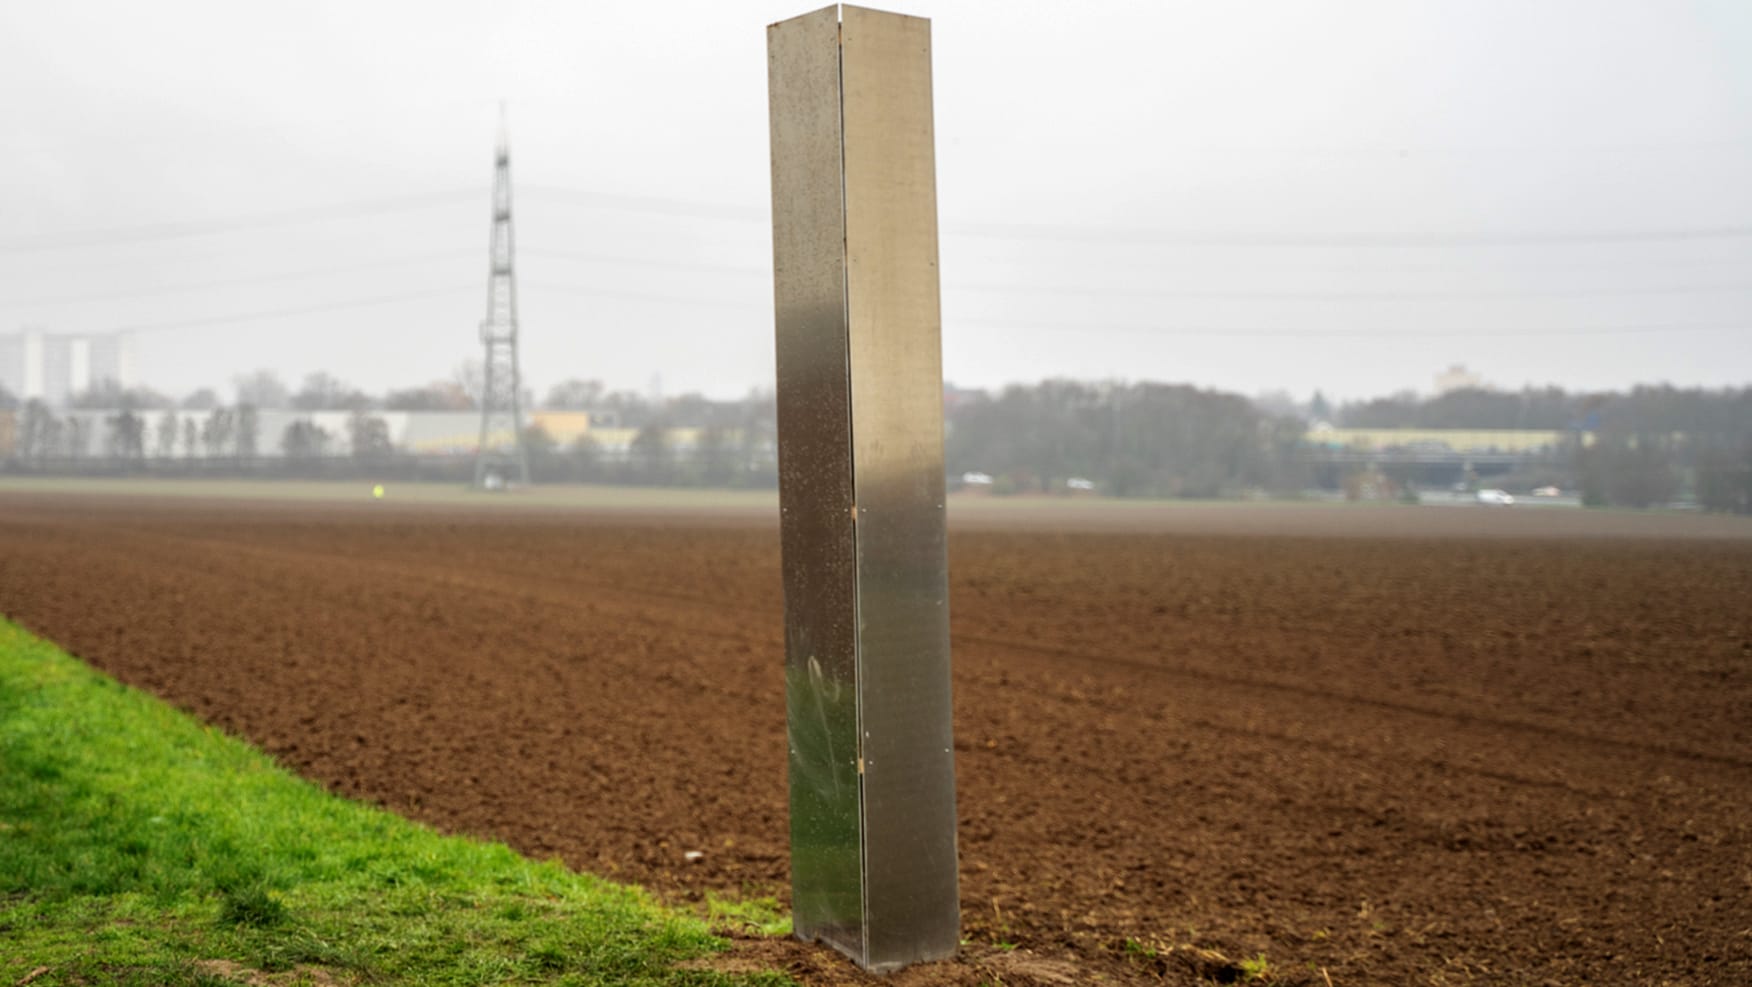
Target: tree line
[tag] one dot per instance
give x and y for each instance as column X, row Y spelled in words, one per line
column 731, row 443
column 1645, row 447
column 1638, row 448
column 1143, row 439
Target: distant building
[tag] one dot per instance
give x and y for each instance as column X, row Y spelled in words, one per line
column 182, row 433
column 53, row 367
column 1455, row 441
column 1457, row 378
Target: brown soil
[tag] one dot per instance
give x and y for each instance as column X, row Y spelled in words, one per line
column 1405, row 760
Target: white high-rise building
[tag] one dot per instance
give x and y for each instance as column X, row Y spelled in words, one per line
column 53, row 367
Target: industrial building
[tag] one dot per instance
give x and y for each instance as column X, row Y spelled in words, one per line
column 53, row 367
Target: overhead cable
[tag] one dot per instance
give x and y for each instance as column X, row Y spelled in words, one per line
column 284, row 313
column 256, row 221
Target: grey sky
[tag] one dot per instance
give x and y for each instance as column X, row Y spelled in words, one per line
column 1348, row 196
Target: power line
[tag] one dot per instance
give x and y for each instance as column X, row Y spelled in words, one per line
column 1195, row 294
column 642, row 296
column 357, row 303
column 256, row 221
column 284, row 313
column 1253, row 332
column 744, row 303
column 1371, row 239
column 1235, row 332
column 1139, row 235
column 953, row 286
column 1082, row 291
column 1318, row 334
column 1153, row 268
column 1238, row 295
column 665, row 205
column 238, row 318
column 234, row 282
column 1415, row 150
column 667, row 265
column 1384, row 268
column 1439, row 295
column 598, row 258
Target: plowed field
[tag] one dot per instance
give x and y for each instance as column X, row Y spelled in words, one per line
column 1395, row 757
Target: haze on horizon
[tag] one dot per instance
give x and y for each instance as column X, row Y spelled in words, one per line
column 1270, row 196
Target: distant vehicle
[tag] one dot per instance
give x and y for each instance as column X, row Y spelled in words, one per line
column 1499, row 498
column 977, row 479
column 1078, row 483
column 1547, row 492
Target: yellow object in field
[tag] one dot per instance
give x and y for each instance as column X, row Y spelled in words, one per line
column 377, row 491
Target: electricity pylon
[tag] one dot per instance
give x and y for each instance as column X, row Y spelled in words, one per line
column 501, row 459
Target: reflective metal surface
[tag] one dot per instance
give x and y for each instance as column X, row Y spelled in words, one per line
column 861, row 485
column 815, row 481
column 910, row 895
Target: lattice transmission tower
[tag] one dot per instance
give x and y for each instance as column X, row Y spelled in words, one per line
column 501, row 458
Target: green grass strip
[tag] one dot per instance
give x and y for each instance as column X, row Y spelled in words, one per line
column 139, row 846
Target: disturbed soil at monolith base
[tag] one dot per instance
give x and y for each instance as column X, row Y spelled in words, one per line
column 1376, row 757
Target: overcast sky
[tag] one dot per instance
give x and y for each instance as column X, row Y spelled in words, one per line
column 1344, row 195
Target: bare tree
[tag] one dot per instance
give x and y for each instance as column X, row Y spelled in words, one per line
column 166, row 433
column 127, row 436
column 322, row 391
column 217, row 430
column 203, row 399
column 304, row 440
column 574, row 394
column 370, row 435
column 261, row 388
column 34, row 439
column 248, row 427
column 471, row 376
column 651, row 454
column 54, row 437
column 109, row 393
column 440, row 395
column 715, row 457
column 78, row 437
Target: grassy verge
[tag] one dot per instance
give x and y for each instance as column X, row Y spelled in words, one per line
column 138, row 846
